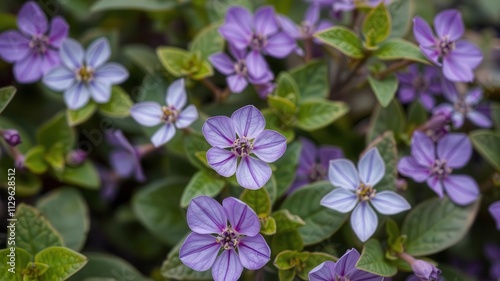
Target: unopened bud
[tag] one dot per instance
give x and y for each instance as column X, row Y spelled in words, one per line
column 12, row 137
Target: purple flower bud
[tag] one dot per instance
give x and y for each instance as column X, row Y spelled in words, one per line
column 425, row 271
column 76, row 157
column 437, row 127
column 12, row 137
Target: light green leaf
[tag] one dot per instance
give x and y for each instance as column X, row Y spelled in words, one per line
column 208, row 41
column 282, row 107
column 85, row 175
column 202, row 183
column 287, row 88
column 35, row 161
column 487, row 143
column 286, row 167
column 286, row 275
column 279, row 123
column 342, row 39
column 385, row 89
column 285, row 221
column 401, row 15
column 143, row 5
column 399, row 49
column 267, row 226
column 316, row 114
column 55, row 157
column 258, row 200
column 119, row 105
column 312, row 80
column 377, row 25
column 33, row 270
column 11, row 270
column 437, row 224
column 386, row 145
column 77, row 117
column 205, row 70
column 6, row 95
column 289, row 259
column 373, row 260
column 107, row 266
column 56, row 130
column 62, row 262
column 390, row 118
column 173, row 59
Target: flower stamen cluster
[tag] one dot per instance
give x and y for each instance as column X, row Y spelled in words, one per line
column 229, row 238
column 170, row 114
column 365, row 192
column 39, row 44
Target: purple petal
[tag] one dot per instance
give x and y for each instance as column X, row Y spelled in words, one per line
column 122, row 163
column 235, row 36
column 455, row 149
column 254, row 252
column 49, row 61
column 323, row 272
column 206, row 216
column 72, row 54
column 268, row 76
column 435, row 184
column 100, row 92
column 239, row 17
column 98, row 53
column 252, row 173
column 265, row 21
column 222, row 63
column 29, row 69
column 237, row 83
column 449, row 91
column 371, row 167
column 176, row 94
column 187, row 117
column 248, row 122
column 31, row 20
column 432, row 54
column 494, row 210
column 423, row 32
column 462, row 190
column 406, row 94
column 224, row 162
column 269, row 146
column 479, row 119
column 112, row 73
column 457, row 119
column 58, row 31
column 227, row 267
column 410, row 168
column 357, row 274
column 219, row 131
column 118, row 139
column 163, row 135
column 147, row 113
column 340, row 200
column 342, row 173
column 242, row 218
column 389, row 203
column 288, row 26
column 59, row 79
column 199, row 251
column 77, row 96
column 467, row 53
column 312, row 15
column 364, row 221
column 308, row 154
column 327, row 153
column 474, row 96
column 456, row 70
column 13, row 46
column 280, row 45
column 238, row 54
column 427, row 100
column 449, row 24
column 347, row 262
column 422, row 149
column 257, row 66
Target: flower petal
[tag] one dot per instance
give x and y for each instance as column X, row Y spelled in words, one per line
column 280, row 45
column 467, row 53
column 265, row 21
column 479, row 119
column 357, row 274
column 122, row 163
column 187, row 117
column 254, row 252
column 340, row 200
column 308, row 155
column 77, row 96
column 98, row 53
column 163, row 135
column 364, row 221
column 462, row 190
column 288, row 26
column 389, row 203
column 222, row 62
column 456, row 70
column 72, row 54
column 371, row 167
column 327, row 153
column 176, row 94
column 347, row 262
column 423, row 32
column 253, row 173
column 248, row 122
column 323, row 272
column 58, row 31
column 100, row 92
column 494, row 210
column 239, row 17
column 269, row 146
column 237, row 83
column 422, row 149
column 342, row 173
column 432, row 54
column 147, row 113
column 242, row 218
column 435, row 184
column 312, row 14
column 256, row 64
column 29, row 69
column 31, row 20
column 410, row 168
column 455, row 149
column 112, row 73
column 13, row 46
column 205, row 216
column 235, row 36
column 449, row 24
column 59, row 79
column 224, row 162
column 199, row 251
column 219, row 131
column 227, row 267
column 406, row 94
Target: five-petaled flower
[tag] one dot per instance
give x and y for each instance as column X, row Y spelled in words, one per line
column 434, row 163
column 171, row 115
column 243, row 134
column 457, row 57
column 125, row 158
column 310, row 25
column 85, row 74
column 343, row 269
column 419, row 85
column 33, row 51
column 356, row 190
column 239, row 241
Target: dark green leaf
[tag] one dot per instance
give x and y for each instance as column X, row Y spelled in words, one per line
column 85, row 175
column 56, row 130
column 6, row 95
column 373, row 260
column 487, row 143
column 286, row 167
column 312, row 80
column 107, row 266
column 202, row 183
column 196, row 143
column 385, row 89
column 386, row 145
column 390, row 118
column 144, row 5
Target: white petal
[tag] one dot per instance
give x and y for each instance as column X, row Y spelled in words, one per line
column 389, row 203
column 147, row 113
column 364, row 221
column 77, row 96
column 163, row 135
column 371, row 167
column 112, row 73
column 98, row 53
column 100, row 92
column 187, row 117
column 72, row 54
column 176, row 94
column 342, row 173
column 59, row 79
column 340, row 200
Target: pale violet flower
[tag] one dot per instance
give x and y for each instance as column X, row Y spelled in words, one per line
column 356, row 191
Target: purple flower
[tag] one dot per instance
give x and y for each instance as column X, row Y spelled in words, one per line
column 435, row 165
column 237, row 70
column 265, row 90
column 457, row 57
column 313, row 163
column 425, row 271
column 243, row 134
column 125, row 158
column 437, row 126
column 308, row 27
column 463, row 106
column 34, row 50
column 495, row 212
column 419, row 85
column 356, row 190
column 260, row 33
column 85, row 74
column 76, row 157
column 343, row 269
column 172, row 115
column 11, row 137
column 239, row 241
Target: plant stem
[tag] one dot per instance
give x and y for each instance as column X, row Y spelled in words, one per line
column 308, row 46
column 393, row 68
column 353, row 73
column 220, row 95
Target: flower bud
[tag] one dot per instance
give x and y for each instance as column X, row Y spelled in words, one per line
column 12, row 137
column 425, row 271
column 76, row 157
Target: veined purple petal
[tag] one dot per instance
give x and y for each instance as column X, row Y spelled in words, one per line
column 29, row 69
column 342, row 173
column 364, row 221
column 187, row 117
column 239, row 17
column 163, row 135
column 323, row 272
column 49, row 61
column 219, row 131
column 357, row 274
column 13, row 46
column 59, row 79
column 280, row 45
column 237, row 83
column 77, row 96
column 479, row 119
column 112, row 73
column 248, row 122
column 288, row 26
column 253, row 173
column 206, row 216
column 432, row 54
column 224, row 162
column 222, row 62
column 100, row 91
column 347, row 262
column 389, row 203
column 147, row 113
column 254, row 252
column 435, row 184
column 455, row 149
column 371, row 167
column 308, row 154
column 176, row 94
column 456, row 70
column 58, row 31
column 494, row 210
column 235, row 36
column 98, row 53
column 327, row 153
column 449, row 91
column 227, row 267
column 122, row 163
column 257, row 66
column 269, row 146
column 31, row 20
column 467, row 53
column 449, row 24
column 242, row 218
column 199, row 251
column 422, row 149
column 72, row 54
column 340, row 200
column 265, row 21
column 410, row 168
column 261, row 81
column 238, row 54
column 474, row 96
column 312, row 15
column 423, row 32
column 462, row 190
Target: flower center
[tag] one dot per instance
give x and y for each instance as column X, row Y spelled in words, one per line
column 258, row 41
column 170, row 114
column 306, row 29
column 242, row 147
column 228, row 239
column 318, row 172
column 419, row 83
column 462, row 106
column 445, row 47
column 365, row 192
column 85, row 74
column 440, row 168
column 241, row 67
column 39, row 44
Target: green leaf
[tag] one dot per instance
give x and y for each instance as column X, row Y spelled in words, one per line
column 208, row 41
column 279, row 123
column 282, row 107
column 394, row 239
column 33, row 270
column 6, row 95
column 12, row 270
column 373, row 260
column 156, row 207
column 321, row 222
column 174, row 268
column 399, row 49
column 437, row 224
column 196, row 143
column 285, row 221
column 144, row 57
column 107, row 266
column 56, row 130
column 417, row 114
column 202, row 183
column 290, row 240
column 258, row 200
column 300, row 262
column 287, row 88
column 55, row 157
column 289, row 259
column 377, row 25
column 386, row 145
column 342, row 39
column 77, row 117
column 313, row 260
column 204, row 70
column 119, row 105
column 286, row 167
column 34, row 160
column 454, row 274
column 267, row 226
column 85, row 175
column 385, row 89
column 62, row 262
column 487, row 143
column 33, row 232
column 401, row 15
column 286, row 275
column 390, row 118
column 312, row 80
column 495, row 115
column 143, row 5
column 173, row 59
column 316, row 114
column 67, row 210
